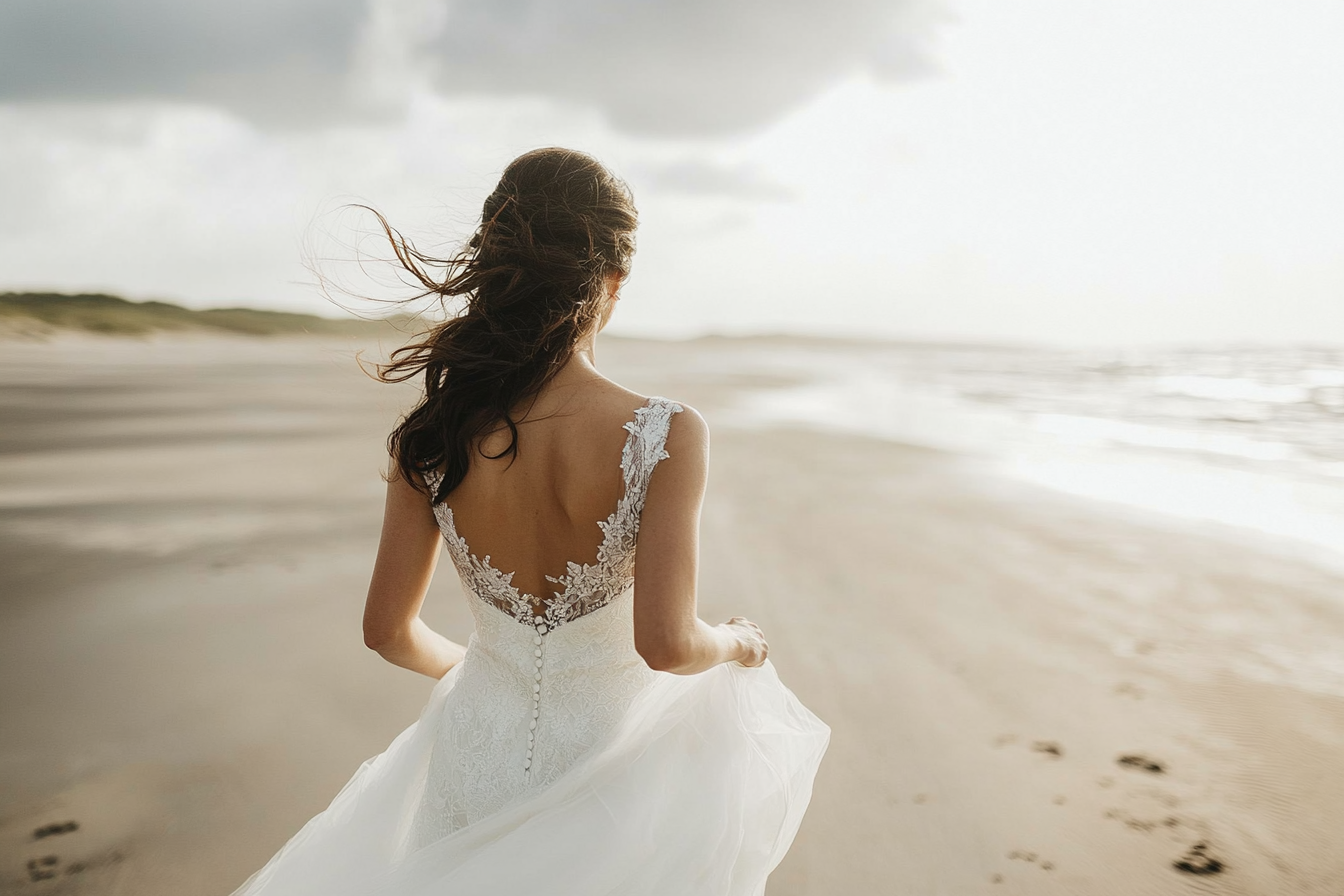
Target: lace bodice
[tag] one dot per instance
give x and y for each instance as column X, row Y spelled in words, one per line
column 544, row 677
column 584, row 587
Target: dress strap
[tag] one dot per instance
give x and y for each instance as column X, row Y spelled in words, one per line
column 645, row 447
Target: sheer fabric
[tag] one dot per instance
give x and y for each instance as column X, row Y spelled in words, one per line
column 553, row 760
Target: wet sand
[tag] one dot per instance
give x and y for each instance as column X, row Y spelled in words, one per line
column 1028, row 693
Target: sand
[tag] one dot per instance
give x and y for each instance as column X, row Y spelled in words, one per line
column 1029, row 693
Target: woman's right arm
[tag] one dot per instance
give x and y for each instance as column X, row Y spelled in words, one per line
column 407, row 554
column 669, row 634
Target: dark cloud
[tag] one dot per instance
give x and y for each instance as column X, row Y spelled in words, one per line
column 656, row 67
column 266, row 58
column 679, row 66
column 698, row 178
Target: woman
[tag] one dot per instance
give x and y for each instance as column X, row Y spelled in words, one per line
column 594, row 736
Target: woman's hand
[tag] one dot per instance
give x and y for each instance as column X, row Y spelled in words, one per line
column 754, row 646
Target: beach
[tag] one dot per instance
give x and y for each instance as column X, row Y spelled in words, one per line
column 1030, row 692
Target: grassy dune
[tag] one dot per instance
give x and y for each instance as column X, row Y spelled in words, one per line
column 42, row 314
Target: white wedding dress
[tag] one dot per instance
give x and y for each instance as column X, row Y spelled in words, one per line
column 553, row 761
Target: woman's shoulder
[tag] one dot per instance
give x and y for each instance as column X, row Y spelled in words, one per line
column 687, row 432
column 690, row 425
column 686, row 429
column 685, row 423
column 680, row 446
column 689, row 419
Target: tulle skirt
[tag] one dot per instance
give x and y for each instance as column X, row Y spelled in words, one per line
column 698, row 789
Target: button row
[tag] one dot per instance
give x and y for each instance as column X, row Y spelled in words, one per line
column 536, row 696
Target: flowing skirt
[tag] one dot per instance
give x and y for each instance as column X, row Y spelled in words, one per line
column 698, row 790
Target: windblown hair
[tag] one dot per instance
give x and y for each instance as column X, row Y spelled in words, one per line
column 532, row 276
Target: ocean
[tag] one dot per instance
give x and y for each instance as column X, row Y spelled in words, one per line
column 1248, row 436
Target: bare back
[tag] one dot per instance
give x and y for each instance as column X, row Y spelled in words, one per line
column 540, row 510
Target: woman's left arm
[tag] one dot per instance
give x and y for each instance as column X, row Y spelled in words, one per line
column 408, row 551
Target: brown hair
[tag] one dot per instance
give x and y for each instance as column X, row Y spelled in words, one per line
column 557, row 225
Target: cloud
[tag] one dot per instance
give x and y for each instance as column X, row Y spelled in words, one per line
column 679, row 67
column 270, row 59
column 653, row 68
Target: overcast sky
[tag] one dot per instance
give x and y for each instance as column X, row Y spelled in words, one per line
column 1039, row 170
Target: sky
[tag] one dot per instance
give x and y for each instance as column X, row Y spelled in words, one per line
column 1042, row 170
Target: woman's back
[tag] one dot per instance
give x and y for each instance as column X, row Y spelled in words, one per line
column 548, row 678
column 537, row 511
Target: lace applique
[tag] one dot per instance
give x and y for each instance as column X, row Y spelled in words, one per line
column 584, row 587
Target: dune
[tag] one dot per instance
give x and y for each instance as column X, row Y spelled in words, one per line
column 42, row 316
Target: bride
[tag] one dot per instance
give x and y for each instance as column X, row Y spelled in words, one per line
column 594, row 736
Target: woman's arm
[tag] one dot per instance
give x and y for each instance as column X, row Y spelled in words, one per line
column 408, row 551
column 669, row 634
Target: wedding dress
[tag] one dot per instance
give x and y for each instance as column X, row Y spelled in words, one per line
column 553, row 761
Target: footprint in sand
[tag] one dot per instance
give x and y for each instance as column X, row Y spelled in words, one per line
column 44, row 868
column 1049, row 748
column 1022, row 855
column 1198, row 860
column 1143, row 763
column 53, row 830
column 1147, row 825
column 1129, row 689
column 49, row 867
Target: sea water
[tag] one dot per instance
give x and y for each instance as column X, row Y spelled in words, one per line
column 1248, row 436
